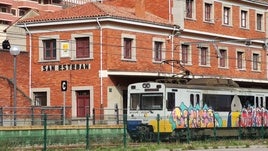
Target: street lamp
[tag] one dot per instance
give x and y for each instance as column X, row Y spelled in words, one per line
column 14, row 51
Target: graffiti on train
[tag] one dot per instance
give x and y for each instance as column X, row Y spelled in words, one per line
column 254, row 117
column 197, row 117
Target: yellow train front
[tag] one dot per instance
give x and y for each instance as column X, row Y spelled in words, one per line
column 194, row 111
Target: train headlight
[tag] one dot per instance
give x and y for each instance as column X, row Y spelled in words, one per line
column 146, row 85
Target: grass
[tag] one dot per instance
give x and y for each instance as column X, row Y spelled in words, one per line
column 193, row 145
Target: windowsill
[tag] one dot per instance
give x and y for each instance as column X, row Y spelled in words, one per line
column 44, row 61
column 224, row 68
column 157, row 62
column 129, row 60
column 191, row 19
column 81, row 59
column 209, row 22
column 257, row 71
column 205, row 66
column 241, row 69
column 229, row 25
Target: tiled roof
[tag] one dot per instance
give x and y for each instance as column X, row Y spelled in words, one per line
column 92, row 10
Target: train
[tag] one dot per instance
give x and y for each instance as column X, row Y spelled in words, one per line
column 168, row 111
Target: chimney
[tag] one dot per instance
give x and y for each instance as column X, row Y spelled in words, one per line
column 140, row 8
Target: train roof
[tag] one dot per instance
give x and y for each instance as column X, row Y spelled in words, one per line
column 213, row 82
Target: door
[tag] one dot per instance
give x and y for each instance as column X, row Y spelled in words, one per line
column 83, row 106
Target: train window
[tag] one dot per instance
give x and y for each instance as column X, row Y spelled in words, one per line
column 261, row 102
column 257, row 101
column 151, row 101
column 197, row 99
column 171, row 101
column 246, row 101
column 266, row 104
column 192, row 99
column 134, row 101
column 218, row 102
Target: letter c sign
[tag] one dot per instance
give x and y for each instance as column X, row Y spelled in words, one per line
column 63, row 85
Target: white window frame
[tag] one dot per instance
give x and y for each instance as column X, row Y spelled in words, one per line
column 262, row 22
column 133, row 50
column 189, row 57
column 41, row 48
column 207, row 56
column 230, row 15
column 163, row 55
column 226, row 61
column 73, row 45
column 211, row 11
column 243, row 59
column 247, row 18
column 34, row 90
column 258, row 63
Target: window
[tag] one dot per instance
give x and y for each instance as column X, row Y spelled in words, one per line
column 22, row 12
column 204, row 56
column 127, row 48
column 215, row 101
column 158, row 51
column 146, row 101
column 13, row 11
column 240, row 60
column 259, row 21
column 40, row 98
column 82, row 47
column 223, row 59
column 244, row 19
column 128, row 51
column 185, row 54
column 256, row 61
column 82, row 44
column 208, row 12
column 3, row 9
column 226, row 15
column 189, row 8
column 49, row 47
column 171, row 101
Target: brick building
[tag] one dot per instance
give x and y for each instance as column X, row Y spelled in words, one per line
column 100, row 48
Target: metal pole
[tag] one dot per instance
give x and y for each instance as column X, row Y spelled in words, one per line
column 64, row 106
column 15, row 90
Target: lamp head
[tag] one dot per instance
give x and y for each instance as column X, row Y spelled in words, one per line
column 14, row 50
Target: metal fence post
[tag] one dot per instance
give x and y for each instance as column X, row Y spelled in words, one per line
column 32, row 115
column 188, row 128
column 87, row 132
column 158, row 129
column 214, row 128
column 117, row 114
column 62, row 116
column 1, row 116
column 45, row 132
column 125, row 133
column 239, row 129
column 94, row 116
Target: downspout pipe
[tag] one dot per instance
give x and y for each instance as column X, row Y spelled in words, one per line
column 101, row 68
column 30, row 60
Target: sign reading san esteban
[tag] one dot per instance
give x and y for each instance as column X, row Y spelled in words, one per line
column 64, row 67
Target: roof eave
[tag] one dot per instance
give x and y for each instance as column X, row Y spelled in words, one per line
column 100, row 19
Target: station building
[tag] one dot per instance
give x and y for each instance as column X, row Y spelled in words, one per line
column 99, row 48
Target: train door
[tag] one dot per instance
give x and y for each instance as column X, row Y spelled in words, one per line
column 195, row 99
column 259, row 101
